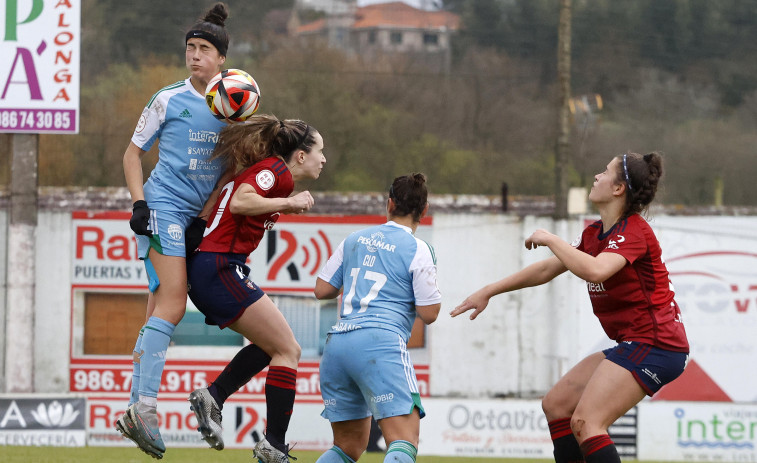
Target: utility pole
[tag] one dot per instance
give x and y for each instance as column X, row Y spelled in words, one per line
column 563, row 120
column 19, row 328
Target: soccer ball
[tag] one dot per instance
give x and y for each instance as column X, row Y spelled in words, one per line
column 232, row 95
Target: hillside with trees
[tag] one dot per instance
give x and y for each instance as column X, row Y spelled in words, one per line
column 676, row 76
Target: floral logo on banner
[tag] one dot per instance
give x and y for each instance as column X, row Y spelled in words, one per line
column 55, row 415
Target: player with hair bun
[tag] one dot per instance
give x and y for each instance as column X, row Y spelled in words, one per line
column 620, row 259
column 269, row 157
column 389, row 277
column 169, row 211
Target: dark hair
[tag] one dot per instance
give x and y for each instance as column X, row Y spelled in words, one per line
column 641, row 174
column 242, row 144
column 211, row 27
column 410, row 195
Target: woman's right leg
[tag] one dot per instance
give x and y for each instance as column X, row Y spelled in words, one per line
column 170, row 300
column 560, row 403
column 136, row 355
column 265, row 326
column 401, row 434
column 350, row 441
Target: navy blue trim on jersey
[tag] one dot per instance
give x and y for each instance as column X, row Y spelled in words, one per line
column 279, row 167
column 619, row 227
column 650, row 366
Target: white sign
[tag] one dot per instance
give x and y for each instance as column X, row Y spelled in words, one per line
column 39, row 69
column 288, row 258
column 243, row 423
column 38, row 421
column 485, row 428
column 713, row 267
column 697, row 431
column 105, row 251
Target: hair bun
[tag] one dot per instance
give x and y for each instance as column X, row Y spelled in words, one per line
column 217, row 14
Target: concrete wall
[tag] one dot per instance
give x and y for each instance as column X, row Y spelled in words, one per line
column 523, row 342
column 52, row 321
column 519, row 345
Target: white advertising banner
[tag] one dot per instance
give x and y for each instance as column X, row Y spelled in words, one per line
column 39, row 69
column 243, row 423
column 288, row 259
column 713, row 267
column 40, row 420
column 485, row 428
column 697, row 431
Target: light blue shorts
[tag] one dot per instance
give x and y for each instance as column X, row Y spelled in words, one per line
column 367, row 372
column 167, row 238
column 167, row 234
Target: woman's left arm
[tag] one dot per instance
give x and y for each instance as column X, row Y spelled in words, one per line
column 584, row 266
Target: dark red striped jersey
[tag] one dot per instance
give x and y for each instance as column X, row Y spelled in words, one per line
column 637, row 303
column 241, row 234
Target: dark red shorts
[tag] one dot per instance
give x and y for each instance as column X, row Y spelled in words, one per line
column 219, row 286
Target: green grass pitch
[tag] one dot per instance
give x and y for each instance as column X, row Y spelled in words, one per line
column 11, row 454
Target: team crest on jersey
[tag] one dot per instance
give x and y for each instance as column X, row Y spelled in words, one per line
column 265, row 179
column 576, row 242
column 613, row 244
column 141, row 123
column 175, row 231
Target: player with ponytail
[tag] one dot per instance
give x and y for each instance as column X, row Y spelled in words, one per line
column 620, row 259
column 389, row 277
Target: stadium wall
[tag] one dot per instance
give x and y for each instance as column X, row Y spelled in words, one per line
column 515, row 351
column 522, row 343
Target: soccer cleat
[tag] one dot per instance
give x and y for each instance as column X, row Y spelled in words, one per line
column 267, row 453
column 208, row 416
column 125, row 426
column 145, row 432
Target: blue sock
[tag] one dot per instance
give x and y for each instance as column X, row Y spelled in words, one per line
column 135, row 360
column 155, row 340
column 400, row 451
column 334, row 455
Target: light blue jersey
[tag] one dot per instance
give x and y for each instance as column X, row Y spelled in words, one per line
column 385, row 272
column 184, row 176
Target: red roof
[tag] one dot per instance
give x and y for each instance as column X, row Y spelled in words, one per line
column 314, row 26
column 399, row 14
column 393, row 15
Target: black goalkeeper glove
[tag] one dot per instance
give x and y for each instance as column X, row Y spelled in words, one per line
column 193, row 234
column 140, row 217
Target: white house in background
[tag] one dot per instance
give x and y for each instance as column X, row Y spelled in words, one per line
column 393, row 27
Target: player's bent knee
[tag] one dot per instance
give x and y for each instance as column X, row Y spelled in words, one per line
column 294, row 351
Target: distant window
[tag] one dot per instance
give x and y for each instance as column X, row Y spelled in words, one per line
column 430, row 39
column 372, row 37
column 396, row 38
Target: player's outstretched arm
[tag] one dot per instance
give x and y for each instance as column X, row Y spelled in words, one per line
column 534, row 275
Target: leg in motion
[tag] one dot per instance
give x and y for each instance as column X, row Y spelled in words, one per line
column 207, row 403
column 559, row 404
